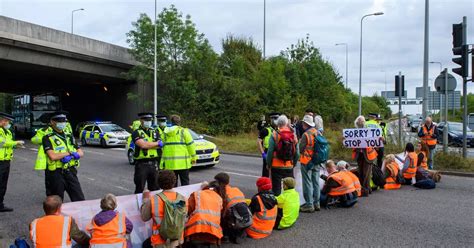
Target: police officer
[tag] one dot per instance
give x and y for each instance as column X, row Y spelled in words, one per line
column 373, row 122
column 6, row 153
column 62, row 160
column 147, row 142
column 162, row 123
column 263, row 141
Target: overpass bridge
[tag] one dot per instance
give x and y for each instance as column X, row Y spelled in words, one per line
column 89, row 74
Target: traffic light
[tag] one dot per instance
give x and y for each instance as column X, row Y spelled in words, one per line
column 460, row 49
column 397, row 85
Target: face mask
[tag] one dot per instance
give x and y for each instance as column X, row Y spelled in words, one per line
column 8, row 126
column 163, row 124
column 61, row 125
column 147, row 124
column 274, row 122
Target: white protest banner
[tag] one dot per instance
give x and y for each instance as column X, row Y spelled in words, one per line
column 84, row 211
column 362, row 137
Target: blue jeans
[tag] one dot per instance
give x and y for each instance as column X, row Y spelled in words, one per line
column 310, row 178
column 430, row 158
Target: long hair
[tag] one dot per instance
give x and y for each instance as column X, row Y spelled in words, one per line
column 425, row 149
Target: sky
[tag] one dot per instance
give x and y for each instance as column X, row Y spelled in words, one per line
column 392, row 42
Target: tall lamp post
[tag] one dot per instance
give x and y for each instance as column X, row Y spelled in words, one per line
column 155, row 83
column 347, row 61
column 264, row 25
column 360, row 56
column 72, row 19
column 440, row 96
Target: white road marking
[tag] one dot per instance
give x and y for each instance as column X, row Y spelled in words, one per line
column 90, row 178
column 122, row 188
column 240, row 174
column 93, row 152
column 34, row 149
column 118, row 149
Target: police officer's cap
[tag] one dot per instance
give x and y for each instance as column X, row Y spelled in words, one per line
column 373, row 115
column 6, row 116
column 379, row 117
column 145, row 115
column 274, row 115
column 59, row 116
column 161, row 117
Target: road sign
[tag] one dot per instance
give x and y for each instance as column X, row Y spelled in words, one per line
column 440, row 83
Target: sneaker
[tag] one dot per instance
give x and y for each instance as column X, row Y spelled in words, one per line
column 307, row 209
column 317, row 207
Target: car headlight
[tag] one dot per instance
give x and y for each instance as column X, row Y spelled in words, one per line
column 111, row 136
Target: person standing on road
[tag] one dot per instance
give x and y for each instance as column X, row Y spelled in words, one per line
column 54, row 229
column 7, row 144
column 63, row 155
column 428, row 134
column 309, row 171
column 263, row 141
column 374, row 123
column 147, row 142
column 282, row 153
column 299, row 125
column 179, row 151
column 365, row 158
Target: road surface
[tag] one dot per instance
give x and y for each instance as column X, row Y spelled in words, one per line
column 407, row 217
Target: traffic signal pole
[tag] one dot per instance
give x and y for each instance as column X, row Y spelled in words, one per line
column 400, row 109
column 464, row 90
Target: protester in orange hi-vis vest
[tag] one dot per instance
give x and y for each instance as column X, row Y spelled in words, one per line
column 428, row 134
column 391, row 172
column 233, row 201
column 339, row 189
column 110, row 228
column 409, row 165
column 282, row 153
column 204, row 225
column 54, row 229
column 423, row 153
column 153, row 208
column 342, row 166
column 365, row 158
column 264, row 209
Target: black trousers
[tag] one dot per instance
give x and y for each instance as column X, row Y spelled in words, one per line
column 146, row 172
column 183, row 176
column 60, row 180
column 380, row 152
column 4, row 173
column 365, row 173
column 277, row 176
column 265, row 172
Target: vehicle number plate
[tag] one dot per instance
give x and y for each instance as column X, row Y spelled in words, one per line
column 205, row 156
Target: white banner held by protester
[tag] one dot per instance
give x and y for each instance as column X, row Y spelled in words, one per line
column 362, row 137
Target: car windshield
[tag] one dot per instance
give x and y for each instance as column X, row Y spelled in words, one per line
column 111, row 128
column 456, row 127
column 194, row 135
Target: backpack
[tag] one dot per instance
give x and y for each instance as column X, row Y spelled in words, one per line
column 286, row 148
column 321, row 149
column 378, row 177
column 241, row 215
column 174, row 220
column 20, row 243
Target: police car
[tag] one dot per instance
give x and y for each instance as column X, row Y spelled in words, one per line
column 104, row 134
column 206, row 151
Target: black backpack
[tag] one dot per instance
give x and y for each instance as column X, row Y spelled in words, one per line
column 241, row 216
column 378, row 177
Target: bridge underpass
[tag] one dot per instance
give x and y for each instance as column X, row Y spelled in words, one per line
column 88, row 74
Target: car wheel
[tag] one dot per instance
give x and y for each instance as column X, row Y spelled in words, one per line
column 103, row 143
column 131, row 160
column 83, row 141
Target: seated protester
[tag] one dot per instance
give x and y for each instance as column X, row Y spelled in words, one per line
column 424, row 179
column 234, row 206
column 391, row 172
column 288, row 205
column 47, row 231
column 204, row 223
column 104, row 227
column 264, row 210
column 166, row 181
column 343, row 166
column 409, row 165
column 423, row 153
column 339, row 189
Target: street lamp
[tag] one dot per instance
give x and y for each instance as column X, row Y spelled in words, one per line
column 155, row 83
column 72, row 19
column 360, row 62
column 345, row 44
column 440, row 65
column 264, row 25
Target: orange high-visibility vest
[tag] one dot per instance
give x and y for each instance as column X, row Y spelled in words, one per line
column 427, row 136
column 346, row 184
column 157, row 213
column 410, row 172
column 309, row 135
column 356, row 181
column 263, row 221
column 276, row 162
column 110, row 235
column 51, row 231
column 234, row 196
column 206, row 217
column 370, row 154
column 390, row 182
column 424, row 162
